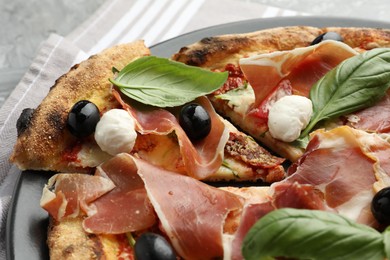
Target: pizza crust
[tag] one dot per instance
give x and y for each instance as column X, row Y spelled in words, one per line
column 215, row 52
column 42, row 144
column 68, row 240
column 363, row 38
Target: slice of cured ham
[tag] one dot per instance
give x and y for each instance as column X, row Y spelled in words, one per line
column 341, row 171
column 66, row 194
column 127, row 207
column 373, row 119
column 302, row 67
column 201, row 158
column 282, row 195
column 191, row 213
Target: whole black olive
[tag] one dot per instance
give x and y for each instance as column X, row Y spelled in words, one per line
column 195, row 121
column 151, row 246
column 82, row 118
column 327, row 36
column 380, row 206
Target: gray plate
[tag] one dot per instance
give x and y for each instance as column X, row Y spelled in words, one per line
column 27, row 222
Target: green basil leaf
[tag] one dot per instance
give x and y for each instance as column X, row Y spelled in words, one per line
column 301, row 142
column 164, row 83
column 311, row 234
column 386, row 241
column 356, row 83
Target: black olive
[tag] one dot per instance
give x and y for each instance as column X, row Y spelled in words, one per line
column 151, row 246
column 380, row 206
column 327, row 36
column 195, row 121
column 82, row 118
column 24, row 120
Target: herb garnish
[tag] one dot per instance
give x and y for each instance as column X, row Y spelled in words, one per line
column 313, row 234
column 354, row 84
column 164, row 83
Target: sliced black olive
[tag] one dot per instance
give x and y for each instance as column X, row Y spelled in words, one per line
column 327, row 36
column 24, row 120
column 82, row 118
column 195, row 121
column 151, row 246
column 380, row 206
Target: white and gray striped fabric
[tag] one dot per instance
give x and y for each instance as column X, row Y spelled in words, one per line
column 115, row 22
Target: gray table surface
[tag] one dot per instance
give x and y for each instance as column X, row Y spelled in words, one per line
column 25, row 24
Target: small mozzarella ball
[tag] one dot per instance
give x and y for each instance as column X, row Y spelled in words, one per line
column 288, row 116
column 115, row 133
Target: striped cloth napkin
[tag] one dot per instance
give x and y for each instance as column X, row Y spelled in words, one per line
column 117, row 21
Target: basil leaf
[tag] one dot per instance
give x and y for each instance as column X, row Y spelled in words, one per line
column 164, row 83
column 354, row 84
column 386, row 241
column 311, row 234
column 301, row 142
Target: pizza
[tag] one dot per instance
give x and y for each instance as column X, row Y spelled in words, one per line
column 46, row 143
column 140, row 177
column 225, row 52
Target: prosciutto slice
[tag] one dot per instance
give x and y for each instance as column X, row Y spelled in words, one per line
column 341, row 171
column 127, row 207
column 302, row 67
column 373, row 119
column 192, row 214
column 201, row 158
column 66, row 194
column 282, row 195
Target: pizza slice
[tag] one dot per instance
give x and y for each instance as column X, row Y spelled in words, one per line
column 194, row 220
column 102, row 215
column 60, row 134
column 267, row 65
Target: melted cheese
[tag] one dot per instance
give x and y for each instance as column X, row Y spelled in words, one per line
column 240, row 100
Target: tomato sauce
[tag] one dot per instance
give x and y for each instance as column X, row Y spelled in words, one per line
column 70, row 154
column 126, row 251
column 235, row 79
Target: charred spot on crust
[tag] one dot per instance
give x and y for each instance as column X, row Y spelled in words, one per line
column 198, row 57
column 68, row 251
column 207, row 40
column 24, row 120
column 56, row 121
column 211, row 46
column 97, row 246
column 183, row 49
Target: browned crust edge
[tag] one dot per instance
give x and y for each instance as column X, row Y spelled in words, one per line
column 40, row 146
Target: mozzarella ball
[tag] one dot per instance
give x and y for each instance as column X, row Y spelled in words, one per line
column 115, row 132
